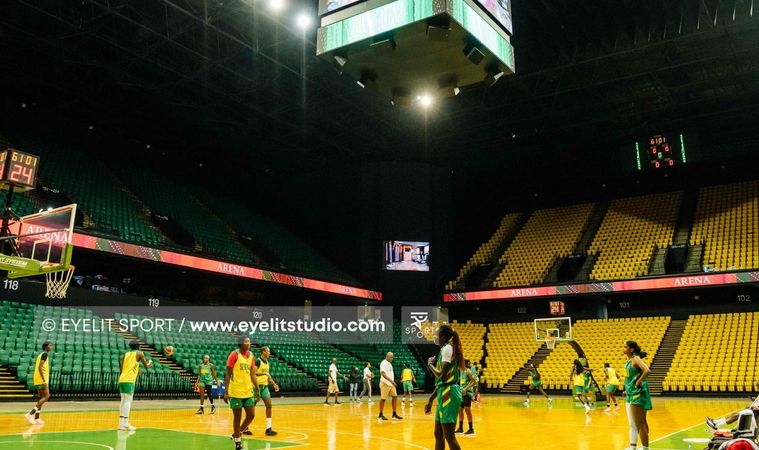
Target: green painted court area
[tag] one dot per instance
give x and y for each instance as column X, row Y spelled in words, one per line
column 675, row 441
column 122, row 440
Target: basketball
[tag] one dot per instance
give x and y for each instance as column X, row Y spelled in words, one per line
column 168, row 351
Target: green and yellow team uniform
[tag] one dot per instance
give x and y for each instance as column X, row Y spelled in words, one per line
column 639, row 396
column 535, row 378
column 40, row 380
column 130, row 368
column 586, row 377
column 464, row 380
column 205, row 375
column 613, row 382
column 406, row 376
column 241, row 385
column 448, row 392
column 579, row 383
column 262, row 371
column 476, row 377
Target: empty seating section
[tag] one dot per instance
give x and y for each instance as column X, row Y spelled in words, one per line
column 510, row 346
column 168, row 199
column 487, row 250
column 298, row 256
column 602, row 342
column 81, row 361
column 549, row 234
column 727, row 223
column 629, row 233
column 717, row 353
column 89, row 185
column 472, row 336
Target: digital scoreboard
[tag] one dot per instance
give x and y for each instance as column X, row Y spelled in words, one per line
column 659, row 152
column 18, row 170
column 664, row 151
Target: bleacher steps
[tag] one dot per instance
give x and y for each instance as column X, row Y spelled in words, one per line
column 592, row 226
column 656, row 265
column 584, row 273
column 694, row 261
column 516, row 382
column 498, row 267
column 685, row 216
column 664, row 356
column 10, row 386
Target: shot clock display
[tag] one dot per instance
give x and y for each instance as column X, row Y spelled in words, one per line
column 18, row 169
column 557, row 308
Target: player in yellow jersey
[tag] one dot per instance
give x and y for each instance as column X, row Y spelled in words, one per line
column 408, row 379
column 578, row 380
column 264, row 379
column 239, row 383
column 130, row 369
column 612, row 384
column 41, row 383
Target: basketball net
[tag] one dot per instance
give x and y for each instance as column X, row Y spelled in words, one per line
column 551, row 342
column 58, row 283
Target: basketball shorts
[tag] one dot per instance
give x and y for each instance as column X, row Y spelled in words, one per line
column 448, row 403
column 387, row 390
column 40, row 387
column 580, row 390
column 536, row 383
column 237, row 403
column 641, row 398
column 612, row 388
column 332, row 387
column 408, row 386
column 126, row 388
column 264, row 391
column 466, row 401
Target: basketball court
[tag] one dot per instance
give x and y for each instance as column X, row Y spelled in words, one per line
column 307, row 422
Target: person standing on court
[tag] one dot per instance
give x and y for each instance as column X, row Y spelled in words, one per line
column 387, row 386
column 353, row 380
column 333, row 388
column 368, row 375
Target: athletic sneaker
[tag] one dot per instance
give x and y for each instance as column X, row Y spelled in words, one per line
column 199, row 411
column 470, row 432
column 616, row 407
column 710, row 422
column 270, row 432
column 213, row 409
column 459, row 431
column 247, row 432
column 411, row 403
column 550, row 400
column 526, row 401
column 326, row 403
column 396, row 416
column 371, row 401
column 381, row 417
column 31, row 419
column 238, row 446
column 39, row 422
column 126, row 427
column 587, row 408
column 607, row 409
column 337, row 403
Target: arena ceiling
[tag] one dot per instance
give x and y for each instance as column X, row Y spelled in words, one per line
column 231, row 74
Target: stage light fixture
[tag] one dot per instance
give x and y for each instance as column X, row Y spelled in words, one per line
column 426, row 100
column 474, row 54
column 492, row 78
column 367, row 83
column 276, row 5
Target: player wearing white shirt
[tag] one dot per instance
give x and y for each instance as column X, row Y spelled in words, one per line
column 368, row 375
column 387, row 386
column 333, row 388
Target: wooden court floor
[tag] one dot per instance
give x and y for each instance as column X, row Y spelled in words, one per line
column 501, row 422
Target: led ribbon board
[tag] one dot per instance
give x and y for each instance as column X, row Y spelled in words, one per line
column 649, row 284
column 221, row 267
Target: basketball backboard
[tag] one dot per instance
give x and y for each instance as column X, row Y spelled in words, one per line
column 558, row 329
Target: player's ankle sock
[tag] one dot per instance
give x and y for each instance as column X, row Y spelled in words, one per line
column 37, row 416
column 720, row 422
column 268, row 423
column 237, row 440
column 470, row 426
column 461, row 424
column 608, row 405
column 33, row 411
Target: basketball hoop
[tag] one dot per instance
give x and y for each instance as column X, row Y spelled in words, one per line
column 551, row 342
column 58, row 281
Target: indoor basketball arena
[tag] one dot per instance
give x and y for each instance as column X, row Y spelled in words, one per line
column 379, row 224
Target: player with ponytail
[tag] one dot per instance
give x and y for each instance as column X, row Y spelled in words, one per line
column 638, row 398
column 445, row 367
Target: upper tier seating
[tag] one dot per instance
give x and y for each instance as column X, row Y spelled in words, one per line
column 717, row 353
column 629, row 233
column 727, row 223
column 549, row 234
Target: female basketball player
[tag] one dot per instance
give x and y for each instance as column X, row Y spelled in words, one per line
column 636, row 391
column 130, row 368
column 41, row 383
column 536, row 384
column 445, row 368
column 240, row 382
column 206, row 371
column 577, row 379
column 612, row 384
